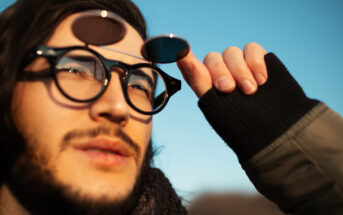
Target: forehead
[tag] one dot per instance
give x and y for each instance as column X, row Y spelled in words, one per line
column 63, row 36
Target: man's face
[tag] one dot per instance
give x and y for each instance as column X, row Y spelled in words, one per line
column 84, row 146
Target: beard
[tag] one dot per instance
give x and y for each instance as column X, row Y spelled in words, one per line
column 40, row 193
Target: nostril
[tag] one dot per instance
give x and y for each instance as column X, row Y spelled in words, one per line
column 105, row 115
column 115, row 118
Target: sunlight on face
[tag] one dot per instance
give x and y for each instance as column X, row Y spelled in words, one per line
column 95, row 148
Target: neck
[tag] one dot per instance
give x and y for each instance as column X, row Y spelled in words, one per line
column 9, row 204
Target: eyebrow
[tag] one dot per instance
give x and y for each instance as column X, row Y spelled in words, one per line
column 82, row 58
column 29, row 75
column 139, row 72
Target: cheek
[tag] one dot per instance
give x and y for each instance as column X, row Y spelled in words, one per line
column 41, row 103
column 27, row 107
column 139, row 129
column 148, row 134
column 37, row 117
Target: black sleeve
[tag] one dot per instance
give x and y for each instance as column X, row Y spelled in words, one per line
column 250, row 123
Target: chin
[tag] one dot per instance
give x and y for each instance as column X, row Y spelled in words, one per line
column 73, row 190
column 111, row 191
column 94, row 180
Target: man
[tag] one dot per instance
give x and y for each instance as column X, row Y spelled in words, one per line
column 69, row 148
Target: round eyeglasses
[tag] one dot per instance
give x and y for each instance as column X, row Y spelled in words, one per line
column 82, row 75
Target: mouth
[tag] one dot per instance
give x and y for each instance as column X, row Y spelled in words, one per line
column 104, row 152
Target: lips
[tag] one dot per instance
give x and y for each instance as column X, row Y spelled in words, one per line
column 105, row 152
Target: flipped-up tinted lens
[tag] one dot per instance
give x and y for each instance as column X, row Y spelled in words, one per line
column 165, row 49
column 99, row 27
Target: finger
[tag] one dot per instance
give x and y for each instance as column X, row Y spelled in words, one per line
column 196, row 74
column 234, row 60
column 220, row 74
column 254, row 57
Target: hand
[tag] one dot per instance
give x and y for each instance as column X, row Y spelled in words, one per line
column 245, row 69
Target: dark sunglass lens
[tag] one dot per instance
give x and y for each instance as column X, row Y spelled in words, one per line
column 165, row 49
column 98, row 30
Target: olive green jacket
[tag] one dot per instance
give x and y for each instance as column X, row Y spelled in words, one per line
column 290, row 146
column 302, row 170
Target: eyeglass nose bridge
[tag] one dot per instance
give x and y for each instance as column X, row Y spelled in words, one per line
column 122, row 73
column 115, row 67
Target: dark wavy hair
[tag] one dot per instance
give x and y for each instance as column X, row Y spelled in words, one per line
column 28, row 23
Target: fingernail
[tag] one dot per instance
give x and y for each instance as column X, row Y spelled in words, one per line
column 223, row 83
column 247, row 87
column 260, row 79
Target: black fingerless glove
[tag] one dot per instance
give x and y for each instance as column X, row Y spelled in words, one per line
column 250, row 123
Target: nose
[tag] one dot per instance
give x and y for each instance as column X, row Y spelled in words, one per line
column 111, row 106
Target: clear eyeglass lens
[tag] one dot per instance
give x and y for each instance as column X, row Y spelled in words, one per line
column 146, row 89
column 80, row 74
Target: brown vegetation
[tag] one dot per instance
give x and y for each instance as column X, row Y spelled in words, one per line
column 232, row 204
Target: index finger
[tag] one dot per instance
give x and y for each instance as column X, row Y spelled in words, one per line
column 196, row 74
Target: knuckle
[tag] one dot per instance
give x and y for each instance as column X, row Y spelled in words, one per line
column 231, row 50
column 239, row 69
column 213, row 59
column 255, row 64
column 251, row 45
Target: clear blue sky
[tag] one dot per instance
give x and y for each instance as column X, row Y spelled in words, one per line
column 307, row 37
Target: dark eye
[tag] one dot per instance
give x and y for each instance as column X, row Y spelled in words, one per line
column 69, row 70
column 142, row 88
column 74, row 74
column 81, row 64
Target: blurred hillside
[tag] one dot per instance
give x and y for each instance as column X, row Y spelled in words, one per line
column 232, row 204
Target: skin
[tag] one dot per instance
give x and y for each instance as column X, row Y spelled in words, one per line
column 234, row 67
column 41, row 113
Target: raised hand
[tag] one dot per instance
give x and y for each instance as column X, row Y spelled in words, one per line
column 234, row 67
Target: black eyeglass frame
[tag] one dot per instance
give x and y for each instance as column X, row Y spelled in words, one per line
column 54, row 54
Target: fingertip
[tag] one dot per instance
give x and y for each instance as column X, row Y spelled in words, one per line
column 185, row 64
column 254, row 46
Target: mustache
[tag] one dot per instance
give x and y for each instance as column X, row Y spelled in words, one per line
column 100, row 130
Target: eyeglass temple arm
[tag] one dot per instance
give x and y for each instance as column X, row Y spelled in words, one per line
column 34, row 75
column 173, row 86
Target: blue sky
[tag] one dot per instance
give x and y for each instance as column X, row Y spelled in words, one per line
column 306, row 35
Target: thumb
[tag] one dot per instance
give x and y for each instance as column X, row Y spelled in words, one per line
column 195, row 74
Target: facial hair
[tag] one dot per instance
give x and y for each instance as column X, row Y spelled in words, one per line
column 40, row 193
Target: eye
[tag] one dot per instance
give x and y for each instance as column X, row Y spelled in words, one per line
column 76, row 73
column 81, row 64
column 142, row 87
